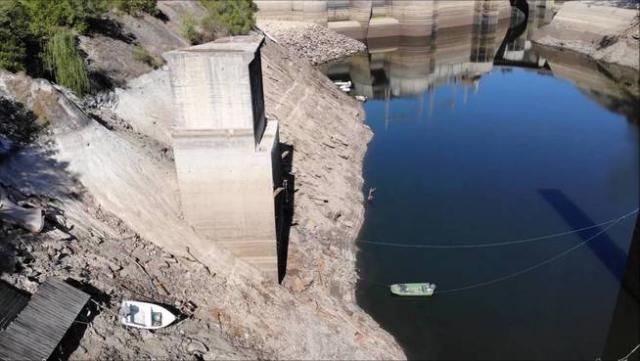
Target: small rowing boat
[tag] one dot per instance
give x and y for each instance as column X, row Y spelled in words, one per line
column 145, row 315
column 413, row 289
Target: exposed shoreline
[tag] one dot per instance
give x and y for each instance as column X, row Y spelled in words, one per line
column 604, row 30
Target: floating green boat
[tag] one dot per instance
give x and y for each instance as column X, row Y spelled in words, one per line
column 413, row 289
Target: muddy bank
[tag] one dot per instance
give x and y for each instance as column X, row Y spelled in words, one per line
column 608, row 31
column 106, row 178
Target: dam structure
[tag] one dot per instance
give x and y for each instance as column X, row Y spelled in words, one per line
column 370, row 19
column 226, row 151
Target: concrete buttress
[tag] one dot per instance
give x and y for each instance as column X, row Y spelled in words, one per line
column 226, row 151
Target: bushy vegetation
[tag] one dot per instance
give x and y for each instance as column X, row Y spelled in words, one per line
column 236, row 16
column 224, row 17
column 47, row 17
column 189, row 28
column 41, row 35
column 64, row 60
column 138, row 7
column 14, row 36
column 142, row 55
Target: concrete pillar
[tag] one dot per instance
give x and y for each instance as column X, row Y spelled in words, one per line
column 226, row 152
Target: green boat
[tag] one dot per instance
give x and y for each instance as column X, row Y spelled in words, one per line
column 413, row 289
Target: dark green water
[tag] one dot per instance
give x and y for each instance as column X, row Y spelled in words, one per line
column 468, row 152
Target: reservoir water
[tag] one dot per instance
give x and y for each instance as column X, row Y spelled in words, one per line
column 481, row 139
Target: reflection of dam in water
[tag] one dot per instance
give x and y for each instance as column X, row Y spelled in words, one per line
column 415, row 45
column 403, row 66
column 410, row 66
column 367, row 19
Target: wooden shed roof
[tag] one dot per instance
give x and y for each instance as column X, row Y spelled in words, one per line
column 41, row 325
column 12, row 301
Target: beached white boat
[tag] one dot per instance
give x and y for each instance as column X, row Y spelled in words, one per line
column 145, row 315
column 345, row 86
column 343, row 83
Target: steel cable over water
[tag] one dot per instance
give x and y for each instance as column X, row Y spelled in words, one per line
column 498, row 244
column 610, row 223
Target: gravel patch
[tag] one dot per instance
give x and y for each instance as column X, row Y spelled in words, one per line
column 316, row 43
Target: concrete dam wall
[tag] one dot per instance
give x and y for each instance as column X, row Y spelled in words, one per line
column 362, row 19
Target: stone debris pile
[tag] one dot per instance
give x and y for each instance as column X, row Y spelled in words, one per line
column 314, row 42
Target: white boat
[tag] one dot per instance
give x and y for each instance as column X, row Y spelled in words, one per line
column 413, row 289
column 145, row 315
column 343, row 83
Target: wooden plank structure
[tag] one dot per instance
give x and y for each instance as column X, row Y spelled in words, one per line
column 12, row 301
column 41, row 325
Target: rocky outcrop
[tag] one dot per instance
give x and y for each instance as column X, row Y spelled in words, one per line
column 112, row 42
column 608, row 31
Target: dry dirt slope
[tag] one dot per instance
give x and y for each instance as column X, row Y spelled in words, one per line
column 112, row 183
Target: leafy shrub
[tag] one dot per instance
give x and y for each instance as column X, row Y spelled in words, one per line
column 41, row 34
column 224, row 17
column 12, row 55
column 236, row 16
column 142, row 55
column 138, row 7
column 189, row 29
column 64, row 60
column 14, row 35
column 47, row 16
column 211, row 28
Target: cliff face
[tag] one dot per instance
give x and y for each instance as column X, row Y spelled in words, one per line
column 106, row 177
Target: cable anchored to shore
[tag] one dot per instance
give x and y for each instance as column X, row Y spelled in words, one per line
column 498, row 244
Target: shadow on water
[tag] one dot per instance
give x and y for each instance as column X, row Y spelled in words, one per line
column 624, row 332
column 602, row 246
column 284, row 204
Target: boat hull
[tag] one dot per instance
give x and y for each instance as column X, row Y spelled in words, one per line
column 413, row 289
column 145, row 315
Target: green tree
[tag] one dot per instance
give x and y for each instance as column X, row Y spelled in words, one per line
column 236, row 16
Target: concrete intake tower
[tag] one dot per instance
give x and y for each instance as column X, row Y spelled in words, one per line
column 226, row 151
